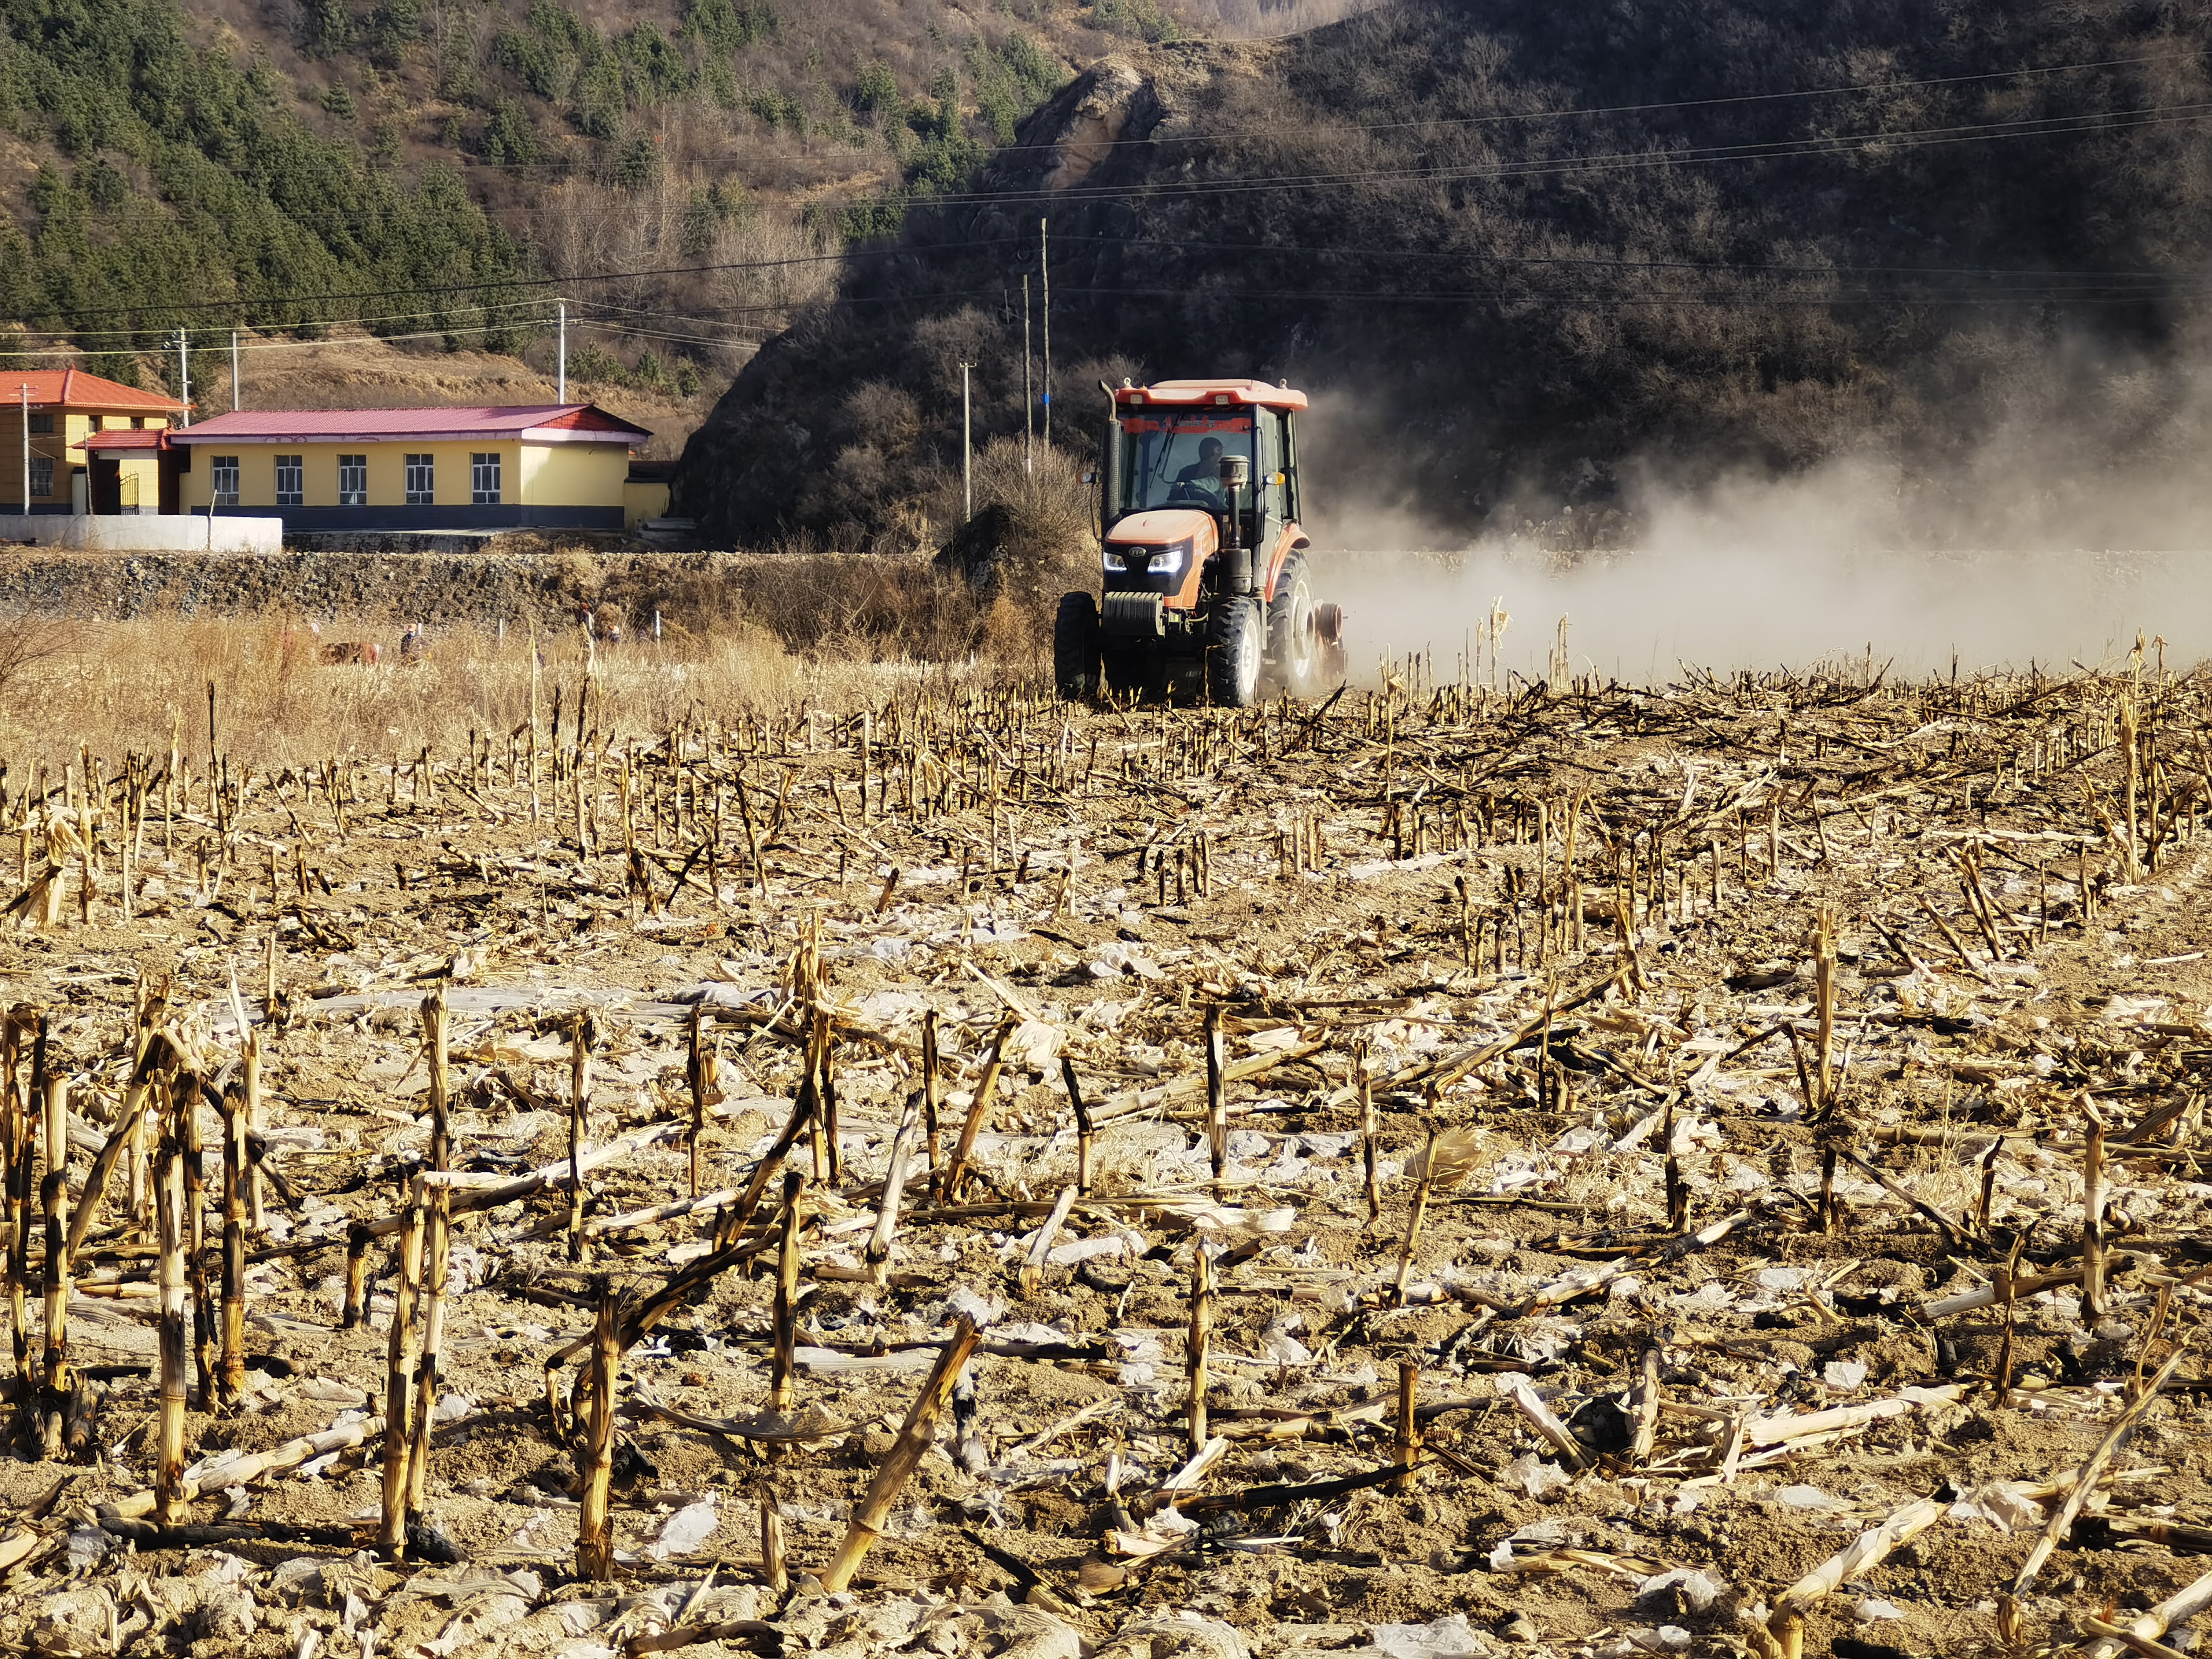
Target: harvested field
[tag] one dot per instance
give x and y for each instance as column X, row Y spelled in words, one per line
column 1448, row 1170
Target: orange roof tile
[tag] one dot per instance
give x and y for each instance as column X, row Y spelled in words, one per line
column 72, row 388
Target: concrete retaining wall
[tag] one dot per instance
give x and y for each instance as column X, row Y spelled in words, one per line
column 150, row 532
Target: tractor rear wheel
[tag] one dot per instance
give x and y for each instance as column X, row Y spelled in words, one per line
column 1075, row 648
column 1294, row 662
column 1234, row 648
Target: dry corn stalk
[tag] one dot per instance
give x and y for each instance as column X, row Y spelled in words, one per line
column 169, row 1210
column 2092, row 1468
column 398, row 1377
column 1784, row 1636
column 914, row 1436
column 54, row 1402
column 2183, row 1605
column 595, row 1538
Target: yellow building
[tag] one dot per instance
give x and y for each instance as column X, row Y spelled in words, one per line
column 61, row 408
column 548, row 466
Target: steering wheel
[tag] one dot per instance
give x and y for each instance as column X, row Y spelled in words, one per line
column 1189, row 490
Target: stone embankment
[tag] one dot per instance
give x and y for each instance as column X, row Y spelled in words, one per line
column 533, row 582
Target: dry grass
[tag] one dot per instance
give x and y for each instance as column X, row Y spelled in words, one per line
column 122, row 687
column 762, row 636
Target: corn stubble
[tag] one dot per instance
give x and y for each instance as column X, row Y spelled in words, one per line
column 1384, row 1033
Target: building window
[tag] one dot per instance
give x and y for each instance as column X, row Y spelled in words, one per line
column 224, row 477
column 291, row 481
column 484, row 480
column 138, row 422
column 421, row 484
column 42, row 422
column 353, row 481
column 42, row 475
column 98, row 422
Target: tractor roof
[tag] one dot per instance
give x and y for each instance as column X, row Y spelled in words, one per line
column 1207, row 392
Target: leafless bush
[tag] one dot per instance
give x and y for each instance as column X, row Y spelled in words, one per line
column 26, row 644
column 1034, row 530
column 865, row 608
column 1263, row 20
column 965, row 336
column 769, row 261
column 883, row 415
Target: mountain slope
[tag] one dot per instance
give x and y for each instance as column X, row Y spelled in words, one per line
column 1526, row 256
column 410, row 167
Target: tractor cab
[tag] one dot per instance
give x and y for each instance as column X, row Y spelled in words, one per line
column 1204, row 568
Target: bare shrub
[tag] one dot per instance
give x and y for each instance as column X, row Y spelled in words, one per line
column 859, row 607
column 1113, row 368
column 27, row 643
column 769, row 260
column 1248, row 20
column 883, row 415
column 1035, row 524
column 966, row 335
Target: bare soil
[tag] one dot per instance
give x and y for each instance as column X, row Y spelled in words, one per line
column 1382, row 896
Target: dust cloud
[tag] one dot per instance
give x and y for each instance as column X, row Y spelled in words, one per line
column 1830, row 566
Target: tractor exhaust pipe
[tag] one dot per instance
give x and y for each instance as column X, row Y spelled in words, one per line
column 1237, row 558
column 1109, row 474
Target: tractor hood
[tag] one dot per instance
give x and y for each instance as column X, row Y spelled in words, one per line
column 1164, row 526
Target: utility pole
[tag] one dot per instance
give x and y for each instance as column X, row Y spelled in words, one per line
column 1029, row 393
column 561, row 376
column 1044, row 276
column 233, row 371
column 183, row 377
column 25, row 390
column 967, row 450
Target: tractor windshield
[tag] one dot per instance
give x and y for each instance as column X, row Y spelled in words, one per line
column 1172, row 458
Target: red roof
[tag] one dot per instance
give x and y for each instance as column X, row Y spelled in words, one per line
column 538, row 422
column 590, row 417
column 72, row 388
column 149, row 439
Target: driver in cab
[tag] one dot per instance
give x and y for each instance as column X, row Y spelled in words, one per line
column 1203, row 476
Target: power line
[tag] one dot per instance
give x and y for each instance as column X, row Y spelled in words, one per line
column 1613, row 162
column 1535, row 167
column 1617, row 298
column 568, row 166
column 504, row 283
column 1850, row 143
column 1506, row 116
column 538, row 302
column 1609, row 262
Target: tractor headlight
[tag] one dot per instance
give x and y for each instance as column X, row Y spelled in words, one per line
column 1170, row 561
column 1114, row 560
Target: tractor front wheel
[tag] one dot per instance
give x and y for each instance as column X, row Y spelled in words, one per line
column 1233, row 652
column 1075, row 648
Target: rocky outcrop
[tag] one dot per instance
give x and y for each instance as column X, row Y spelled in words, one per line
column 1067, row 140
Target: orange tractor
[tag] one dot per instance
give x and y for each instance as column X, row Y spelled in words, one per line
column 1205, row 585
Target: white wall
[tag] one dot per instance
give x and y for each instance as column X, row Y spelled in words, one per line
column 147, row 532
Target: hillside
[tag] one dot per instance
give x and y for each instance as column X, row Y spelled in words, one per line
column 423, row 169
column 1533, row 264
